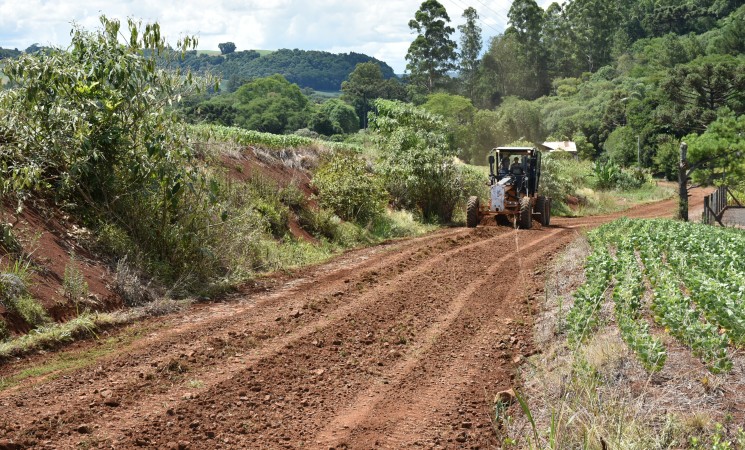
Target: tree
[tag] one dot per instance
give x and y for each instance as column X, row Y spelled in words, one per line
column 226, row 47
column 334, row 117
column 458, row 113
column 593, row 26
column 526, row 25
column 365, row 84
column 470, row 48
column 557, row 42
column 432, row 53
column 718, row 155
column 270, row 104
column 621, row 146
column 416, row 162
column 699, row 89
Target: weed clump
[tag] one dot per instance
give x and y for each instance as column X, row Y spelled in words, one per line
column 16, row 299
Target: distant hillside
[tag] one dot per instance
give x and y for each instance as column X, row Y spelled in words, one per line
column 322, row 71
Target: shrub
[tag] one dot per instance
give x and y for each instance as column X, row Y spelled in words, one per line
column 608, row 175
column 347, row 186
column 4, row 333
column 31, row 311
column 416, row 161
column 14, row 296
column 128, row 161
column 8, row 241
column 130, row 286
column 74, row 286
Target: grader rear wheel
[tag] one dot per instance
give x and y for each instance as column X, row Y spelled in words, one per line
column 543, row 206
column 472, row 212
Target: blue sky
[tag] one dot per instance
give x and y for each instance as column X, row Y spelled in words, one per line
column 377, row 28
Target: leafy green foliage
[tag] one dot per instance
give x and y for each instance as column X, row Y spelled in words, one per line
column 416, row 161
column 91, row 126
column 334, row 117
column 226, row 47
column 432, row 53
column 14, row 296
column 470, row 49
column 721, row 150
column 620, row 146
column 270, row 105
column 347, row 186
column 31, row 311
column 458, row 112
column 685, row 264
column 699, row 89
column 365, row 84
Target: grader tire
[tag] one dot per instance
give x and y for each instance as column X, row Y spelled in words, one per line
column 525, row 221
column 543, row 206
column 472, row 212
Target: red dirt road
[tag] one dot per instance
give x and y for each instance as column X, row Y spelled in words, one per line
column 398, row 346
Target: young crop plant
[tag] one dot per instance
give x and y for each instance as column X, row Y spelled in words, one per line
column 583, row 318
column 627, row 296
column 698, row 284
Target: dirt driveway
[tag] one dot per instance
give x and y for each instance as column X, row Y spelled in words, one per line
column 401, row 345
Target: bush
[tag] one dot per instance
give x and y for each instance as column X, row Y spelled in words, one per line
column 4, row 333
column 347, row 186
column 621, row 146
column 416, row 162
column 562, row 176
column 609, row 175
column 31, row 311
column 74, row 286
column 15, row 298
column 128, row 163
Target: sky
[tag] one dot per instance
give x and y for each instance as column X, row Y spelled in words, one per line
column 377, row 28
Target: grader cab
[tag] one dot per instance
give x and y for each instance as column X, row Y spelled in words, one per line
column 514, row 175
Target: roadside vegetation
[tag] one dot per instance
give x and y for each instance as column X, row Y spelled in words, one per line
column 640, row 333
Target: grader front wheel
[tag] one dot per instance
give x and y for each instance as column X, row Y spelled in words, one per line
column 525, row 220
column 472, row 212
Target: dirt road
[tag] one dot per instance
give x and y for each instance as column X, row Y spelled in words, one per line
column 398, row 346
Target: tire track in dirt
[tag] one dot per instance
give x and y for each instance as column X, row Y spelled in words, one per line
column 176, row 343
column 402, row 344
column 403, row 413
column 274, row 345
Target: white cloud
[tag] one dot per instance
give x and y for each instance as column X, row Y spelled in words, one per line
column 378, row 28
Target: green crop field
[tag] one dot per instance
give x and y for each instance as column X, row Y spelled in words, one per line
column 688, row 278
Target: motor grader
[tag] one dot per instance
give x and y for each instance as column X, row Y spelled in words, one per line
column 514, row 175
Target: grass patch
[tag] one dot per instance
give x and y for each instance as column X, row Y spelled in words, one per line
column 594, row 202
column 87, row 324
column 66, row 362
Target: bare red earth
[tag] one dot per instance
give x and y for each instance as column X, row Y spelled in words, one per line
column 49, row 239
column 398, row 346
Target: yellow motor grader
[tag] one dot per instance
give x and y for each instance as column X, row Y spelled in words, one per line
column 514, row 174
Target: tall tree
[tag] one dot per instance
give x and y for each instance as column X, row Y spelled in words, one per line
column 557, row 42
column 698, row 90
column 432, row 53
column 365, row 84
column 470, row 48
column 526, row 26
column 593, row 24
